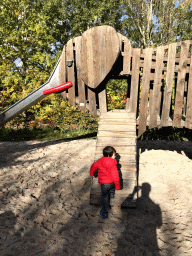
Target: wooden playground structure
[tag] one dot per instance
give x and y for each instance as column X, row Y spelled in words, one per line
column 161, row 96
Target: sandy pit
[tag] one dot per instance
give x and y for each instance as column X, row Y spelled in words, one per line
column 45, row 210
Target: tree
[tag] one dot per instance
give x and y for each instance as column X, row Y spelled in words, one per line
column 174, row 21
column 151, row 22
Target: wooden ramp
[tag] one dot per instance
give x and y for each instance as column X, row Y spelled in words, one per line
column 117, row 128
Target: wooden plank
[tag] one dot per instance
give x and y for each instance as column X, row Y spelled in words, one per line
column 127, row 158
column 135, row 80
column 115, row 141
column 130, row 134
column 188, row 123
column 62, row 71
column 165, row 68
column 80, row 83
column 100, row 49
column 124, row 159
column 119, row 149
column 92, row 102
column 119, row 116
column 70, row 72
column 103, row 101
column 168, row 84
column 127, row 184
column 128, row 93
column 180, row 85
column 131, row 165
column 145, row 90
column 117, row 121
column 157, row 88
column 126, row 54
column 118, row 128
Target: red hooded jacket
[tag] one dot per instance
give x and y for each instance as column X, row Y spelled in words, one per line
column 107, row 171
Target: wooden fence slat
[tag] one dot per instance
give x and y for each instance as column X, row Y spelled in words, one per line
column 188, row 122
column 156, row 94
column 145, row 90
column 80, row 83
column 71, row 72
column 62, row 71
column 92, row 102
column 126, row 54
column 103, row 101
column 134, row 80
column 128, row 96
column 169, row 84
column 180, row 85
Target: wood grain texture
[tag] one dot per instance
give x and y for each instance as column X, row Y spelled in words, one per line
column 145, row 90
column 134, row 80
column 156, row 94
column 100, row 49
column 62, row 71
column 80, row 83
column 127, row 51
column 180, row 85
column 70, row 72
column 103, row 101
column 188, row 123
column 92, row 102
column 168, row 84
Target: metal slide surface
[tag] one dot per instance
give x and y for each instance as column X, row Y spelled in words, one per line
column 32, row 98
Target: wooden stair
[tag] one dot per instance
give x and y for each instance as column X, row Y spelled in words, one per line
column 117, row 128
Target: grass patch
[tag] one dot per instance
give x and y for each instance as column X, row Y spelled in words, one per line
column 45, row 134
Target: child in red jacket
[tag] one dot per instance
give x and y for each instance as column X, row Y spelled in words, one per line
column 108, row 177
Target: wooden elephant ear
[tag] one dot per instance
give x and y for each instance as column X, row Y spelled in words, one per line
column 96, row 53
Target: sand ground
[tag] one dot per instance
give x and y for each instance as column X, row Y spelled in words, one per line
column 45, row 210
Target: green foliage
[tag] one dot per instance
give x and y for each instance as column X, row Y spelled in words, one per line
column 34, row 32
column 116, row 94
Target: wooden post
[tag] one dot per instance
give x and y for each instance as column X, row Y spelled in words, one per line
column 156, row 89
column 169, row 84
column 180, row 85
column 188, row 122
column 81, row 84
column 62, row 71
column 70, row 71
column 135, row 79
column 145, row 90
column 103, row 101
column 126, row 53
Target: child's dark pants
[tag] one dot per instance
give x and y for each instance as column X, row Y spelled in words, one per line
column 108, row 191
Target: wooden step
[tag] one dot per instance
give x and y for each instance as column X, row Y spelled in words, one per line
column 104, row 141
column 128, row 164
column 122, row 153
column 114, row 134
column 127, row 188
column 121, row 115
column 126, row 158
column 116, row 127
column 119, row 149
column 117, row 121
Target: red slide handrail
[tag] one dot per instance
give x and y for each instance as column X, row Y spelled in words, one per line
column 58, row 88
